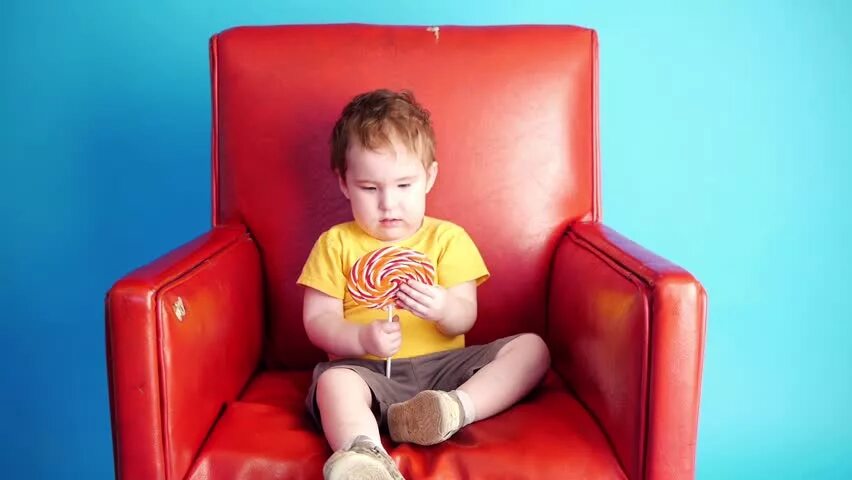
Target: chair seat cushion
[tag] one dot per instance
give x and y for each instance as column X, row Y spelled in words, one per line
column 267, row 434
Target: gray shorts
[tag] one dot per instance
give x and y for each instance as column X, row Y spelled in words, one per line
column 437, row 371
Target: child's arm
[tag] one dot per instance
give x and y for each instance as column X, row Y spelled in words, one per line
column 452, row 309
column 323, row 319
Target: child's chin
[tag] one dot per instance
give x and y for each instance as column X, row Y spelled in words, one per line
column 389, row 236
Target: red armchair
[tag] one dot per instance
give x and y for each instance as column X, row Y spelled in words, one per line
column 208, row 360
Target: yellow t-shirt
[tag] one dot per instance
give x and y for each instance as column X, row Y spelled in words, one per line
column 448, row 247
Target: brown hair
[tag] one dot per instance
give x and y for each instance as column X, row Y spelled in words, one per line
column 373, row 118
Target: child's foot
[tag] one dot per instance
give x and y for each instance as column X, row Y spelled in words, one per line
column 362, row 461
column 428, row 418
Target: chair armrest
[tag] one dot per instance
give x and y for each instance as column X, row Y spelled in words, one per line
column 183, row 337
column 626, row 330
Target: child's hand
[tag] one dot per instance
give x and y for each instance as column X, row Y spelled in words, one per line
column 381, row 338
column 428, row 302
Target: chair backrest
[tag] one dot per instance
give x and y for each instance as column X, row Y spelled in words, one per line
column 515, row 116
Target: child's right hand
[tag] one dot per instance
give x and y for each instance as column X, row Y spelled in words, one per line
column 381, row 338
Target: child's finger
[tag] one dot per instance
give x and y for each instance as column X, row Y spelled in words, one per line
column 391, row 327
column 415, row 288
column 413, row 306
column 410, row 304
column 415, row 295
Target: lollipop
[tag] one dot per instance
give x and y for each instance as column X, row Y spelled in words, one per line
column 376, row 277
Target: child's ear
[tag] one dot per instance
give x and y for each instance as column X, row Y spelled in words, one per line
column 431, row 174
column 341, row 181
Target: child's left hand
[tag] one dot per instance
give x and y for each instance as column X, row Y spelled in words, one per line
column 428, row 302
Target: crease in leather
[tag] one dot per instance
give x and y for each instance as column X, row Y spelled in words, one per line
column 590, row 245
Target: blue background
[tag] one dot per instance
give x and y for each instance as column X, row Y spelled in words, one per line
column 726, row 148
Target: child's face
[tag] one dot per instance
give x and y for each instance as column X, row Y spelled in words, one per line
column 387, row 189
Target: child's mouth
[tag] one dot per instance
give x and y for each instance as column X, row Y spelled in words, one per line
column 390, row 222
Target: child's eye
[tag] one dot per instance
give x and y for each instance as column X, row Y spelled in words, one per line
column 369, row 189
column 405, row 185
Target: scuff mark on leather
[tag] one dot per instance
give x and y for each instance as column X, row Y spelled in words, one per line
column 435, row 31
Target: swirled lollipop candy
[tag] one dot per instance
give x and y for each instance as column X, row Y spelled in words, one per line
column 376, row 277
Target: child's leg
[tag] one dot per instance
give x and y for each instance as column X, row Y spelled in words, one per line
column 432, row 416
column 344, row 402
column 517, row 368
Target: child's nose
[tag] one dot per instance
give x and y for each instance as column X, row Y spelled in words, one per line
column 387, row 200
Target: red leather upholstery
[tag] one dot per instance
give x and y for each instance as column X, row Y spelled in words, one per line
column 547, row 435
column 626, row 330
column 171, row 368
column 515, row 113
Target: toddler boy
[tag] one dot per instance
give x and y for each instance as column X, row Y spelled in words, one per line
column 383, row 154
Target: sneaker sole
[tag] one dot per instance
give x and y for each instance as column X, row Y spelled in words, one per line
column 420, row 419
column 354, row 466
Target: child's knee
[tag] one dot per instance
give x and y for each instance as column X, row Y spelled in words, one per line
column 534, row 348
column 337, row 380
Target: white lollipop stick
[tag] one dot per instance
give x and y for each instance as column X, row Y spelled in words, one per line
column 388, row 361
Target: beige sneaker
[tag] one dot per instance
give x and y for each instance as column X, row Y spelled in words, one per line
column 362, row 461
column 428, row 418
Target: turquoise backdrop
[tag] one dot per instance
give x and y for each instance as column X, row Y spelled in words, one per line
column 726, row 148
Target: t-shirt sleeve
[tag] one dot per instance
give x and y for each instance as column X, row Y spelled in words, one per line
column 461, row 261
column 323, row 270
